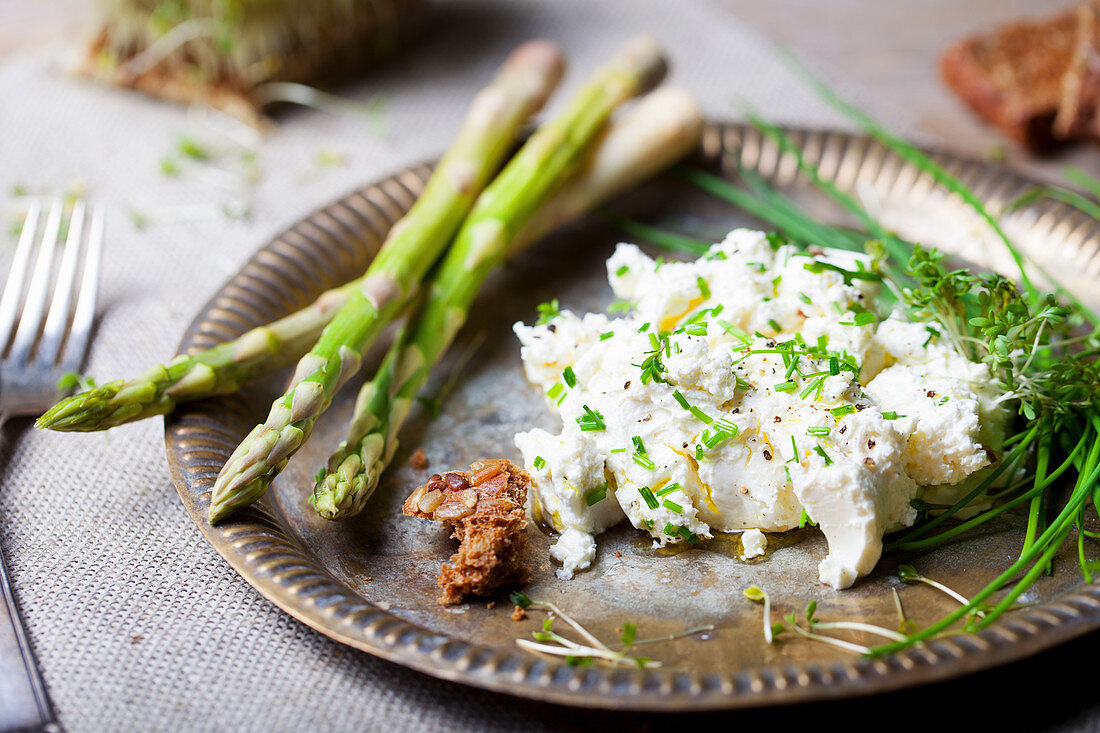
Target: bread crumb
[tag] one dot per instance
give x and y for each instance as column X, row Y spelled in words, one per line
column 484, row 508
column 419, row 459
column 519, row 613
column 491, row 604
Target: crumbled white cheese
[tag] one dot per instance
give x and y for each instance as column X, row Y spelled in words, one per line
column 742, row 392
column 753, row 544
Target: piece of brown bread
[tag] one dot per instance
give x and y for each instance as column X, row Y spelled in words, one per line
column 1013, row 76
column 485, row 509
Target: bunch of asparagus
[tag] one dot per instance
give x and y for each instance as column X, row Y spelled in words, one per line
column 467, row 221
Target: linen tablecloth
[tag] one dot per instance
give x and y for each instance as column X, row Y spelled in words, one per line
column 137, row 623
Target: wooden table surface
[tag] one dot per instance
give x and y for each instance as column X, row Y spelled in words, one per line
column 885, row 52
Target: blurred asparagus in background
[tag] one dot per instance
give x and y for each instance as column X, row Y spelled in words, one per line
column 660, row 130
column 221, row 53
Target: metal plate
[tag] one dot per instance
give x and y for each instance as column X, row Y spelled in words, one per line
column 370, row 582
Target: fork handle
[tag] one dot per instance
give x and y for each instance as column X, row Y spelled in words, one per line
column 24, row 704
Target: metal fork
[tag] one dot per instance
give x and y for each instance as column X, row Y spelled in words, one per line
column 42, row 338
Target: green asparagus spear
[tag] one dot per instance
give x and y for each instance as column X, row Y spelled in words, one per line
column 411, row 247
column 663, row 128
column 218, row 370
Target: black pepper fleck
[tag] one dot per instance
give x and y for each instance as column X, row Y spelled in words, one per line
column 870, row 444
column 767, row 455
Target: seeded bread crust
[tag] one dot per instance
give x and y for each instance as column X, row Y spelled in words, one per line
column 1013, row 77
column 1077, row 112
column 484, row 508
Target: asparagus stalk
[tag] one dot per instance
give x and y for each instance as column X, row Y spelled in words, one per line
column 413, row 244
column 664, row 127
column 522, row 86
column 221, row 369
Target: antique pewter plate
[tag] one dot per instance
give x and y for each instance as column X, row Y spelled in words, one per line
column 370, row 582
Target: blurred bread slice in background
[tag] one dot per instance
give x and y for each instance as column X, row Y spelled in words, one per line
column 1013, row 76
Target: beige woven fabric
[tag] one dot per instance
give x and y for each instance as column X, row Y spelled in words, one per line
column 137, row 622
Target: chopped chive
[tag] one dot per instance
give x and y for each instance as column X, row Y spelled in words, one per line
column 644, row 461
column 622, row 270
column 547, row 312
column 787, row 386
column 638, row 444
column 891, row 415
column 606, row 335
column 644, row 327
column 650, row 499
column 818, row 431
column 671, row 530
column 695, row 329
column 704, row 289
column 569, row 377
column 794, row 447
column 596, row 495
column 787, row 471
column 620, row 306
column 617, row 450
column 699, row 414
column 843, row 410
column 774, row 325
column 539, row 463
column 815, row 386
column 805, row 519
column 698, row 453
column 821, row 452
column 859, row 319
column 669, row 504
column 591, row 420
column 804, row 298
column 834, row 366
column 792, row 366
column 668, row 489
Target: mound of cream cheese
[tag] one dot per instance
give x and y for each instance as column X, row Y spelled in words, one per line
column 752, row 390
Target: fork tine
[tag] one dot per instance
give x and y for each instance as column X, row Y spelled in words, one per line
column 31, row 320
column 13, row 288
column 85, row 301
column 58, row 318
